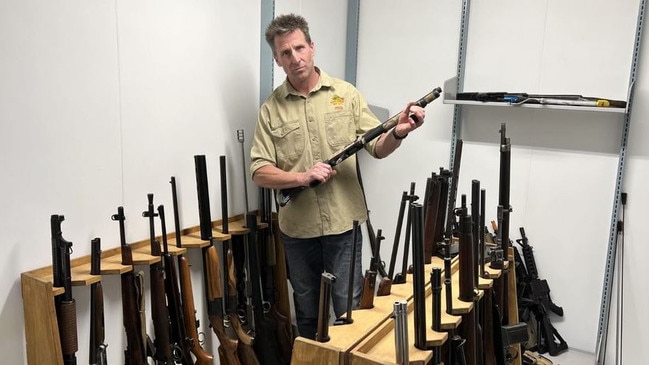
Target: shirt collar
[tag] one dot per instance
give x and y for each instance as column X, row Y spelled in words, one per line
column 325, row 81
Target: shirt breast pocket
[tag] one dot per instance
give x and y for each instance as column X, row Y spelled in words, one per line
column 341, row 129
column 289, row 142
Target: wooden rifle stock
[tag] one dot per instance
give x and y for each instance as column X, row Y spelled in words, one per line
column 211, row 271
column 97, row 350
column 246, row 338
column 189, row 311
column 65, row 304
column 369, row 284
column 432, row 208
column 268, row 251
column 233, row 326
column 280, row 282
column 132, row 301
column 246, row 341
column 228, row 346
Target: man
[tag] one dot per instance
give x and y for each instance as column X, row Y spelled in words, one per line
column 304, row 121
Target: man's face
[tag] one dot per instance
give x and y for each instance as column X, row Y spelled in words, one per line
column 295, row 55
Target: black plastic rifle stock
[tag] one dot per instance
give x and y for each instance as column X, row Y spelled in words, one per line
column 285, row 195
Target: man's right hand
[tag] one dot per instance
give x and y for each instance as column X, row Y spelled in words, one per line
column 320, row 172
column 271, row 177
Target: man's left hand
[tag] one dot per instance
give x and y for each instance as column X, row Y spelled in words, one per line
column 411, row 118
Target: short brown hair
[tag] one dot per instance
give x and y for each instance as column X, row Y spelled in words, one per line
column 284, row 24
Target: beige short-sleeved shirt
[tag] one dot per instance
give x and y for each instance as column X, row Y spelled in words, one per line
column 294, row 132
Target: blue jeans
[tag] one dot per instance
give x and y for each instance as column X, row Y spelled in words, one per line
column 307, row 259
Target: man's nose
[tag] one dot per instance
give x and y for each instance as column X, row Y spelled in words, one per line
column 295, row 58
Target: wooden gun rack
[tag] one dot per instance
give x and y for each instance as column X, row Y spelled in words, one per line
column 369, row 340
column 41, row 326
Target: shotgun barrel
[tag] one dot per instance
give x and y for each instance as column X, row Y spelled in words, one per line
column 285, row 195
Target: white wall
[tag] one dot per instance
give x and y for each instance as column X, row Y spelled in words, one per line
column 100, row 103
column 563, row 162
column 327, row 25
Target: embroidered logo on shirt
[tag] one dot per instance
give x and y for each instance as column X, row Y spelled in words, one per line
column 337, row 101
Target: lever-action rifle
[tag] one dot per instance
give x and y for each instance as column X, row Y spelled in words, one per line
column 97, row 350
column 285, row 195
column 66, row 307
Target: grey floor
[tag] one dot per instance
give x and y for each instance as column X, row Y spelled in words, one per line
column 573, row 357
